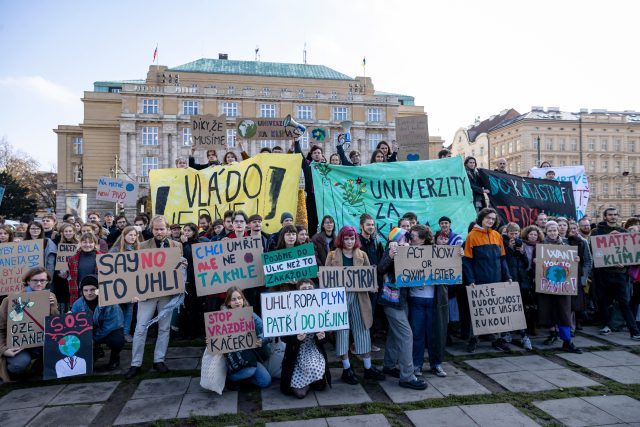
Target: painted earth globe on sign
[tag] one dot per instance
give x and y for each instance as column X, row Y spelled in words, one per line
column 247, row 128
column 69, row 345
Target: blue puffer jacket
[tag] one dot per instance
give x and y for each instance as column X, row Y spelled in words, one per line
column 105, row 319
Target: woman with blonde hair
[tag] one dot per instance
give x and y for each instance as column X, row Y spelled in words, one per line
column 129, row 240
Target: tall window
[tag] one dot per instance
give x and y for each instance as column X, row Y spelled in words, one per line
column 563, row 145
column 150, row 135
column 632, row 146
column 605, row 189
column 304, row 112
column 574, row 144
column 190, row 108
column 231, row 137
column 604, row 144
column 549, row 144
column 150, row 106
column 149, row 163
column 186, row 136
column 618, row 166
column 339, row 114
column 77, row 172
column 592, row 165
column 617, row 144
column 373, row 139
column 269, row 143
column 605, row 166
column 592, row 144
column 230, row 109
column 268, row 110
column 304, row 141
column 535, row 144
column 510, row 147
column 77, row 145
column 374, row 114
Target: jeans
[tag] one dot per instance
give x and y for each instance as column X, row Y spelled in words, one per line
column 399, row 348
column 21, row 361
column 258, row 376
column 127, row 310
column 421, row 320
column 146, row 312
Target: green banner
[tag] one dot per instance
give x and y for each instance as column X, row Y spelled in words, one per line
column 289, row 265
column 386, row 191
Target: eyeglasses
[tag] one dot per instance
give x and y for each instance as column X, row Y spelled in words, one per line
column 38, row 281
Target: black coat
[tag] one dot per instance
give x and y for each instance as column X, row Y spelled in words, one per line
column 291, row 356
column 476, row 188
column 517, row 263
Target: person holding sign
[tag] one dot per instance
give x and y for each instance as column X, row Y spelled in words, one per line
column 555, row 310
column 35, row 231
column 305, row 362
column 60, row 284
column 107, row 321
column 484, row 261
column 16, row 360
column 82, row 264
column 244, row 365
column 212, row 160
column 348, row 253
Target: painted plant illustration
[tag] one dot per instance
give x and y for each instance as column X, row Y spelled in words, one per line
column 17, row 314
column 323, row 170
column 352, row 196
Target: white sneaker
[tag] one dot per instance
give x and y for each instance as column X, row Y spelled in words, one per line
column 438, row 371
column 417, row 372
column 605, row 331
column 526, row 343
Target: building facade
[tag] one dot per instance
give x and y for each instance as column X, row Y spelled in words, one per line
column 146, row 123
column 607, row 143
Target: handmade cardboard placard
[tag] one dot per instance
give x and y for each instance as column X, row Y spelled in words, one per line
column 146, row 273
column 209, row 131
column 496, row 307
column 412, row 135
column 352, row 279
column 230, row 330
column 289, row 265
column 16, row 258
column 613, row 249
column 319, row 134
column 116, row 190
column 428, row 265
column 68, row 345
column 556, row 269
column 264, row 128
column 65, row 251
column 308, row 311
column 226, row 263
column 26, row 312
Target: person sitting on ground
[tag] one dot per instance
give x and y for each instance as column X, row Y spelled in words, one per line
column 107, row 321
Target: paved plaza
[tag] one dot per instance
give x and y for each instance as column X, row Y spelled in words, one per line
column 486, row 379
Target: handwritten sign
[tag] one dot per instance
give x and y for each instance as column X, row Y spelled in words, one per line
column 352, row 279
column 289, row 265
column 264, row 128
column 209, row 131
column 116, row 190
column 68, row 345
column 226, row 263
column 556, row 269
column 520, row 200
column 412, row 135
column 65, row 251
column 26, row 312
column 496, row 307
column 16, row 258
column 577, row 176
column 428, row 265
column 146, row 273
column 230, row 330
column 431, row 189
column 309, row 311
column 253, row 185
column 613, row 249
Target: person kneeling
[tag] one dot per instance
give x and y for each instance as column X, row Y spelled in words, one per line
column 305, row 361
column 108, row 321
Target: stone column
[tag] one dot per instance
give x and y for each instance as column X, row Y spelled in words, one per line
column 133, row 160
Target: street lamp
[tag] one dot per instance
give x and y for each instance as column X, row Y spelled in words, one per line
column 539, row 159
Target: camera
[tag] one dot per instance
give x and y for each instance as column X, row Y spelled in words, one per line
column 518, row 243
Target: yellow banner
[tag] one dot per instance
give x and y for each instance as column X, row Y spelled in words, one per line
column 266, row 184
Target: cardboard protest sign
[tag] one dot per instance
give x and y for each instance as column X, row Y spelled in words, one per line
column 253, row 185
column 230, row 330
column 68, row 345
column 431, row 189
column 264, row 128
column 577, row 176
column 496, row 307
column 116, row 190
column 16, row 258
column 26, row 312
column 209, row 131
column 412, row 135
column 309, row 311
column 65, row 251
column 226, row 263
column 146, row 273
column 352, row 279
column 556, row 269
column 520, row 200
column 428, row 265
column 289, row 265
column 319, row 134
column 613, row 249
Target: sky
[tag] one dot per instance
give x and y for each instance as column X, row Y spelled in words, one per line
column 459, row 59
